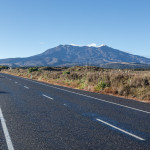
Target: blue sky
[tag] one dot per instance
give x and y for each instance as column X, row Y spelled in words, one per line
column 29, row 27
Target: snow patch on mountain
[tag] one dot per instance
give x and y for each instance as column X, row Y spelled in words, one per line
column 88, row 45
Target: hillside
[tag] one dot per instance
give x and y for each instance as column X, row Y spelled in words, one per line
column 125, row 66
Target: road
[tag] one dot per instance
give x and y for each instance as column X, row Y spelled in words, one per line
column 40, row 116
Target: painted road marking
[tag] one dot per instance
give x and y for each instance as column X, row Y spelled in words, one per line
column 47, row 97
column 6, row 133
column 103, row 100
column 94, row 98
column 133, row 135
column 26, row 87
column 66, row 105
column 86, row 96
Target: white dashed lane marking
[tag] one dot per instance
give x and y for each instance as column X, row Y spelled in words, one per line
column 47, row 97
column 26, row 87
column 126, row 132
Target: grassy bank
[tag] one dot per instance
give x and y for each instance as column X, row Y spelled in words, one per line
column 127, row 83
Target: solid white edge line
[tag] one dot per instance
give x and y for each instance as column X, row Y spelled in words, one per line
column 26, row 87
column 47, row 97
column 86, row 96
column 133, row 135
column 6, row 133
column 103, row 100
column 94, row 98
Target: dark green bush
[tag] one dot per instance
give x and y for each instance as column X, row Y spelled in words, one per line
column 32, row 69
column 4, row 67
column 100, row 86
column 66, row 72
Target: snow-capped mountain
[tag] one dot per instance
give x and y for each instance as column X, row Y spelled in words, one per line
column 69, row 55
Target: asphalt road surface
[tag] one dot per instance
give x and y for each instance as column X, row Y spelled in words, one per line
column 40, row 116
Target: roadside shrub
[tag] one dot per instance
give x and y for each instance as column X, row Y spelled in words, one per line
column 4, row 67
column 145, row 82
column 30, row 70
column 124, row 90
column 100, row 86
column 140, row 82
column 55, row 75
column 66, row 72
column 74, row 76
column 93, row 77
column 82, row 83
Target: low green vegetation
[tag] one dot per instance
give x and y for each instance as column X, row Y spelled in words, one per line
column 100, row 86
column 32, row 69
column 4, row 67
column 128, row 83
column 66, row 72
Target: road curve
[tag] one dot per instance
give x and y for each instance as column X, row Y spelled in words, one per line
column 40, row 116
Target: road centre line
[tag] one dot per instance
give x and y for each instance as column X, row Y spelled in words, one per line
column 126, row 132
column 87, row 96
column 6, row 133
column 95, row 98
column 26, row 87
column 47, row 97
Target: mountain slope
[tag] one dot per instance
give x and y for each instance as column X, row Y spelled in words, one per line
column 69, row 55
